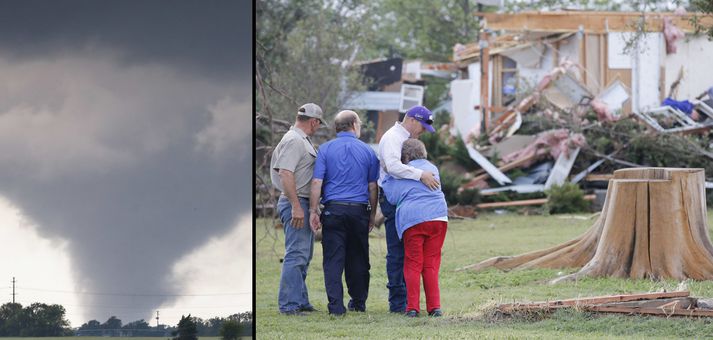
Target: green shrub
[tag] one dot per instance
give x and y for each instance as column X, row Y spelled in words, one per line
column 459, row 153
column 566, row 198
column 450, row 183
column 469, row 197
column 435, row 147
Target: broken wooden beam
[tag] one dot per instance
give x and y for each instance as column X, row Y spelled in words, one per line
column 671, row 311
column 598, row 177
column 503, row 168
column 588, row 21
column 597, row 300
column 536, row 201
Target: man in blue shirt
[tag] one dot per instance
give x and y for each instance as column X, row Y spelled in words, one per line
column 345, row 174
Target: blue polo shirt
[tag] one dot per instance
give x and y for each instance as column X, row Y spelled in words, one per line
column 346, row 165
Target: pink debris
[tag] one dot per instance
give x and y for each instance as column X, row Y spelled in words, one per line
column 556, row 141
column 671, row 33
column 602, row 110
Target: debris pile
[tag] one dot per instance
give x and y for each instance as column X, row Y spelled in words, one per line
column 553, row 98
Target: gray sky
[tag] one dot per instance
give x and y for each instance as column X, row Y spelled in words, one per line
column 124, row 142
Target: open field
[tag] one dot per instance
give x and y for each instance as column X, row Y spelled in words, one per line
column 466, row 296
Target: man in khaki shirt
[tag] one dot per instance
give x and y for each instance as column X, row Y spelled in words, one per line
column 291, row 166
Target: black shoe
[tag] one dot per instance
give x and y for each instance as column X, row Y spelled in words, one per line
column 436, row 312
column 412, row 314
column 337, row 314
column 308, row 309
column 351, row 308
column 295, row 312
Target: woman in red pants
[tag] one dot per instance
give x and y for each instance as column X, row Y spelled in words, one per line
column 421, row 222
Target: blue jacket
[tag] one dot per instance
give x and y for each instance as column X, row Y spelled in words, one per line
column 415, row 202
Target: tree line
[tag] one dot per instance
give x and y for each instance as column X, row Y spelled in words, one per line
column 40, row 320
column 35, row 320
column 237, row 324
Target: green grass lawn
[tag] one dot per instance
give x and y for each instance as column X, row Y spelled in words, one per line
column 108, row 337
column 466, row 297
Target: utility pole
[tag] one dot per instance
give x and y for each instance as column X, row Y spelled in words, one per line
column 13, row 289
column 157, row 319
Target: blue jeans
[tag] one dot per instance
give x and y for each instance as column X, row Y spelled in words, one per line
column 394, row 257
column 299, row 246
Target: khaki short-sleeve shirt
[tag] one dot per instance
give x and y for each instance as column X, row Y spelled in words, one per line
column 297, row 154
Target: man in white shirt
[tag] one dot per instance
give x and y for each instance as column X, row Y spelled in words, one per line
column 416, row 120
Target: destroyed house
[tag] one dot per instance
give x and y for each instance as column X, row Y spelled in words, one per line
column 599, row 57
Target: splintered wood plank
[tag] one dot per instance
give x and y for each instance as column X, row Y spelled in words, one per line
column 670, row 303
column 671, row 311
column 544, row 305
column 588, row 21
column 536, row 201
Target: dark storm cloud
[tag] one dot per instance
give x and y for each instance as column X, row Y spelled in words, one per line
column 211, row 36
column 123, row 129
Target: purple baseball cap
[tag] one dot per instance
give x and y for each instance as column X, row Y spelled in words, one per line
column 423, row 116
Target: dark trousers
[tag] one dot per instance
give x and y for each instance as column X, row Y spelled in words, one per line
column 345, row 244
column 394, row 257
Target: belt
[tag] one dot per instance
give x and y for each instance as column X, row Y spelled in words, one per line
column 351, row 204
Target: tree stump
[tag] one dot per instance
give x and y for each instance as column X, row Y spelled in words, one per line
column 653, row 225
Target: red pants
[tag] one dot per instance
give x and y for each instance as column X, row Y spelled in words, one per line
column 422, row 256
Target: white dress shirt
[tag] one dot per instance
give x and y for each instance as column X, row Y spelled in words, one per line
column 390, row 155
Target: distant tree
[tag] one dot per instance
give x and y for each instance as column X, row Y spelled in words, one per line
column 187, row 329
column 112, row 323
column 91, row 324
column 211, row 327
column 44, row 320
column 231, row 330
column 244, row 320
column 11, row 319
column 138, row 324
column 37, row 319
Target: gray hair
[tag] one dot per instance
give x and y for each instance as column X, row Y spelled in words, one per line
column 412, row 149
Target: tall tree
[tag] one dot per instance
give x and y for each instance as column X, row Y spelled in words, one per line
column 11, row 319
column 422, row 29
column 112, row 323
column 44, row 320
column 91, row 324
column 230, row 330
column 301, row 47
column 187, row 329
column 138, row 324
column 37, row 319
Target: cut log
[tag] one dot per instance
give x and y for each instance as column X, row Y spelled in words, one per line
column 653, row 225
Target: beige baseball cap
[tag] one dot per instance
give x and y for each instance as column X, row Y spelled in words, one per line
column 312, row 110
